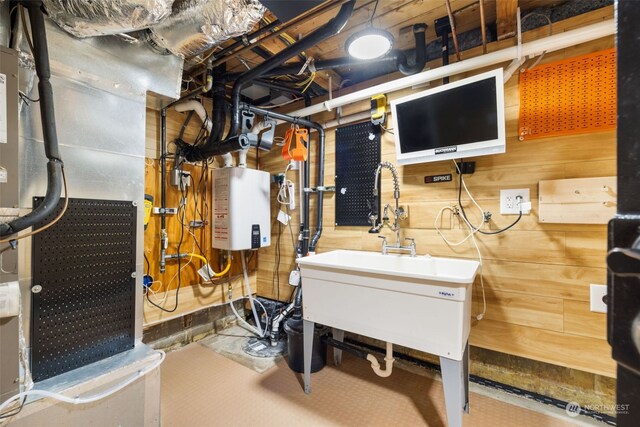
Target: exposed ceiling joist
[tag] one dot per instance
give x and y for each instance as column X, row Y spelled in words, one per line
column 506, row 18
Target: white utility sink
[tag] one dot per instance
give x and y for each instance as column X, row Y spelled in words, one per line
column 420, row 267
column 419, row 302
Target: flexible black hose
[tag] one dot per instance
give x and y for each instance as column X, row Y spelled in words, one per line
column 419, row 31
column 212, row 146
column 47, row 114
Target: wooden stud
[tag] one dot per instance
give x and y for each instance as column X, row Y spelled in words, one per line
column 506, row 18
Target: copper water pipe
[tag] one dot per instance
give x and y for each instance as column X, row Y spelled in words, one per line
column 482, row 27
column 454, row 34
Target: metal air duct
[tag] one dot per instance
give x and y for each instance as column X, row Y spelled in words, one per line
column 198, row 25
column 83, row 18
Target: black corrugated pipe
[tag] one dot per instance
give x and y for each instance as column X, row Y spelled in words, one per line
column 320, row 167
column 212, row 147
column 331, row 28
column 419, row 31
column 47, row 114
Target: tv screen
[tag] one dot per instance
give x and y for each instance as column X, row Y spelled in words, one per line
column 460, row 119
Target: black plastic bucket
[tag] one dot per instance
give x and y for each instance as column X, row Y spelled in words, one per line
column 295, row 344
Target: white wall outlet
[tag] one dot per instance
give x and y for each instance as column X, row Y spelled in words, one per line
column 598, row 292
column 510, row 203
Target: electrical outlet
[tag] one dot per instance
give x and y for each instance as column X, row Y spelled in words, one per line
column 510, row 203
column 598, row 294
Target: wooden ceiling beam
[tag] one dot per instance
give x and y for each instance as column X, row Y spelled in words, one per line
column 506, row 18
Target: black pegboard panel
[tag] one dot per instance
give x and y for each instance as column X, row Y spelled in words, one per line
column 357, row 157
column 85, row 310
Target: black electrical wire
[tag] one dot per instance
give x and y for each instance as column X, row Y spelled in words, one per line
column 184, row 200
column 148, row 264
column 374, row 12
column 467, row 219
column 26, row 99
column 14, row 412
column 200, row 191
column 276, row 270
column 185, row 124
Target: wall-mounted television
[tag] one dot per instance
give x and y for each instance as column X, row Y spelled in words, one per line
column 460, row 119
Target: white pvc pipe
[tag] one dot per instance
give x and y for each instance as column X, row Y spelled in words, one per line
column 388, row 359
column 247, row 285
column 345, row 120
column 536, row 47
column 198, row 108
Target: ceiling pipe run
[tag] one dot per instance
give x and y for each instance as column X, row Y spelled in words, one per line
column 396, row 57
column 216, row 145
column 533, row 48
column 300, row 19
column 331, row 28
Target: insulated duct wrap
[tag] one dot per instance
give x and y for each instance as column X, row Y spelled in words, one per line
column 84, row 18
column 197, row 25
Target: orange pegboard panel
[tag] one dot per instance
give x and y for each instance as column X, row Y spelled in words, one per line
column 572, row 96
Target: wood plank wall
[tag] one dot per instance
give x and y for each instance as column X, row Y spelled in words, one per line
column 537, row 275
column 194, row 294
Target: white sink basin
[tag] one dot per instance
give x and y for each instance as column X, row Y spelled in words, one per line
column 422, row 302
column 420, row 267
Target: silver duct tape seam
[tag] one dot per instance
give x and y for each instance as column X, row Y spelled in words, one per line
column 83, row 18
column 198, row 25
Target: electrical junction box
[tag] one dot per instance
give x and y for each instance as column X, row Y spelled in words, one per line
column 241, row 209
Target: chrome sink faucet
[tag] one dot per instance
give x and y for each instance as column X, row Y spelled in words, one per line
column 398, row 213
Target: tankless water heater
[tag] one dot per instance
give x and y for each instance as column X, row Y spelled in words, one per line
column 241, row 209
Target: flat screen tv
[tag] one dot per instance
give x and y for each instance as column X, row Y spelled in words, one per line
column 460, row 119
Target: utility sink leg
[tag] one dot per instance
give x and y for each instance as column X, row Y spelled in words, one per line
column 455, row 381
column 338, row 335
column 308, row 330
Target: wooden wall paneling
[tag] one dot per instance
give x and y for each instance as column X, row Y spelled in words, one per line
column 537, row 275
column 579, row 200
column 190, row 280
column 521, row 309
column 531, row 278
column 194, row 298
column 572, row 351
column 579, row 320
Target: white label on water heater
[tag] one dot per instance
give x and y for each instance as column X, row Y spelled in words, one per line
column 221, row 210
column 3, row 109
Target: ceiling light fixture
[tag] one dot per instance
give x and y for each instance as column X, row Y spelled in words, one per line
column 370, row 43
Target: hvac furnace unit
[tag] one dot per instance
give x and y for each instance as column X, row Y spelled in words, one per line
column 241, row 209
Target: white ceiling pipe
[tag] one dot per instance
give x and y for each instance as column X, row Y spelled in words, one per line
column 198, row 108
column 536, row 47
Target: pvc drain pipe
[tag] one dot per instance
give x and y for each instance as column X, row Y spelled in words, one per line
column 536, row 47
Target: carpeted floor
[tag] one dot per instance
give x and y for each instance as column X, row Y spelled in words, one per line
column 202, row 388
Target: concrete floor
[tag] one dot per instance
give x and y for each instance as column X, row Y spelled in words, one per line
column 203, row 388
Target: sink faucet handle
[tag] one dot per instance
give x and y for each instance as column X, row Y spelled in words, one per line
column 411, row 239
column 383, row 238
